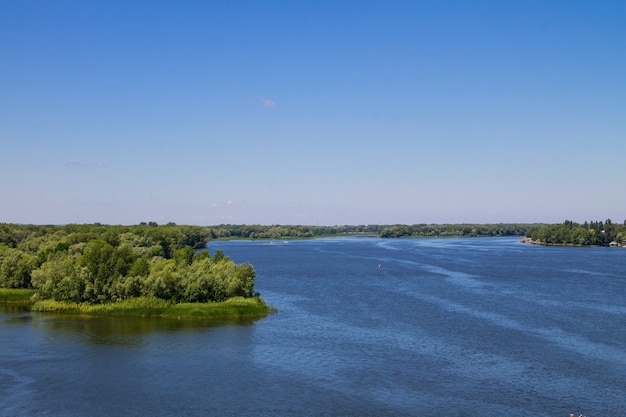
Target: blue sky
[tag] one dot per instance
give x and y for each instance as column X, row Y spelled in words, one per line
column 312, row 112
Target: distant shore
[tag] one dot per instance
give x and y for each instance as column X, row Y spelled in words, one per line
column 539, row 242
column 531, row 241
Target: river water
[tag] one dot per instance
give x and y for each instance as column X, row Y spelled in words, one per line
column 365, row 327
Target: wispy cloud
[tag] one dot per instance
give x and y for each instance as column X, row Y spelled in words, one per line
column 263, row 101
column 266, row 102
column 75, row 164
column 224, row 203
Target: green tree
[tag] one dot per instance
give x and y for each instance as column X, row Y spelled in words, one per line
column 163, row 280
column 15, row 268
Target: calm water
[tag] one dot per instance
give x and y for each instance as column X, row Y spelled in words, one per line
column 444, row 327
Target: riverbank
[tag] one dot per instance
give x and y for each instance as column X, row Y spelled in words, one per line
column 539, row 242
column 15, row 295
column 237, row 307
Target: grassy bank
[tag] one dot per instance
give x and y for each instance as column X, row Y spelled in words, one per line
column 237, row 307
column 234, row 308
column 13, row 295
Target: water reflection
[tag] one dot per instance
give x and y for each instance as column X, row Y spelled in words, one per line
column 14, row 308
column 114, row 331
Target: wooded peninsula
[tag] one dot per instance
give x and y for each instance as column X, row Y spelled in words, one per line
column 163, row 270
column 145, row 269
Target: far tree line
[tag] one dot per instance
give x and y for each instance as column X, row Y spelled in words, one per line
column 589, row 233
column 228, row 231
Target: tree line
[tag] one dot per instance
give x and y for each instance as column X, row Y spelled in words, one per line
column 98, row 263
column 230, row 231
column 454, row 230
column 600, row 233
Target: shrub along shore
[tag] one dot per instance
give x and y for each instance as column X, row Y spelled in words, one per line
column 236, row 307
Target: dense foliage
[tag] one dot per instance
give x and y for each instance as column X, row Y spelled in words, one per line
column 454, row 230
column 98, row 263
column 571, row 233
column 229, row 231
column 398, row 230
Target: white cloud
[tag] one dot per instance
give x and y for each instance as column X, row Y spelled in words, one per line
column 74, row 164
column 266, row 102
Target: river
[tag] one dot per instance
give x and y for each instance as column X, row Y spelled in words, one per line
column 365, row 327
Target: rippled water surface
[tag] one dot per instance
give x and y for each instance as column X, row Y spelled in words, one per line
column 365, row 327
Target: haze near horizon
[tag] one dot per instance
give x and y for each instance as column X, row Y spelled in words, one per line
column 316, row 113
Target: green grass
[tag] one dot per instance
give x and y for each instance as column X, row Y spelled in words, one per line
column 237, row 307
column 154, row 307
column 13, row 295
column 141, row 306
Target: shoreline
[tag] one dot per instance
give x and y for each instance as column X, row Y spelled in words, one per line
column 527, row 240
column 233, row 308
column 540, row 243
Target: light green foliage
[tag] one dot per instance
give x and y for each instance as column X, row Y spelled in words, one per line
column 59, row 278
column 15, row 268
column 16, row 295
column 243, row 281
column 162, row 282
column 198, row 282
column 237, row 307
column 184, row 256
column 96, row 264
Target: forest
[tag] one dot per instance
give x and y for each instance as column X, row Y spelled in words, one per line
column 233, row 231
column 385, row 231
column 571, row 233
column 454, row 230
column 98, row 263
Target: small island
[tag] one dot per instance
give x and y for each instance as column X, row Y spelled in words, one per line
column 146, row 270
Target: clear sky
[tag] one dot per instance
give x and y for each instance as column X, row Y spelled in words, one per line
column 312, row 112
